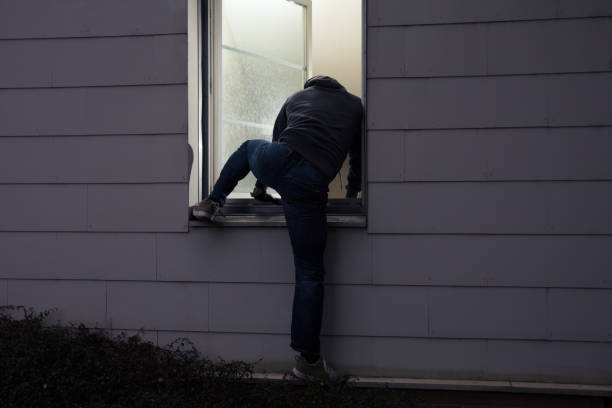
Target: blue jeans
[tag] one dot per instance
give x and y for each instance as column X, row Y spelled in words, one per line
column 303, row 193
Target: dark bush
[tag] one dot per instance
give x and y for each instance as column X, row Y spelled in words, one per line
column 44, row 365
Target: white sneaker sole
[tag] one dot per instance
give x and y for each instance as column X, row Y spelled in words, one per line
column 204, row 215
column 298, row 374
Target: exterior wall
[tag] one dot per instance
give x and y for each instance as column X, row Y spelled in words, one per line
column 490, row 183
column 488, row 249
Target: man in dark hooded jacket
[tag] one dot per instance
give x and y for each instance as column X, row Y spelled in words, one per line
column 314, row 131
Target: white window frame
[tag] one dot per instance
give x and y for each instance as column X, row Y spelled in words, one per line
column 200, row 31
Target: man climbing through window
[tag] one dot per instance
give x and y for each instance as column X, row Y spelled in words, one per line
column 314, row 131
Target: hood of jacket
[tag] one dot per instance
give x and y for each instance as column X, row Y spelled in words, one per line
column 323, row 81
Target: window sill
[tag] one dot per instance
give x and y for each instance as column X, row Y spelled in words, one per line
column 335, row 221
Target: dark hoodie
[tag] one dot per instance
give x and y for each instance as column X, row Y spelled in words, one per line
column 322, row 123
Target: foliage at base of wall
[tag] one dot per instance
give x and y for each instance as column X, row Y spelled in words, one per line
column 46, row 365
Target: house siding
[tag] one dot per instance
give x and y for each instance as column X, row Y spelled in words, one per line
column 491, row 125
column 489, row 239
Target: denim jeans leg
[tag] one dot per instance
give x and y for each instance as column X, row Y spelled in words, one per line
column 307, row 225
column 235, row 169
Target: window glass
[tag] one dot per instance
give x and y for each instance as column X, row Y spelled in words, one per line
column 263, row 58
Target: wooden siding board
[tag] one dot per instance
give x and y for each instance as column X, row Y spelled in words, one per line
column 94, row 61
column 557, row 46
column 120, row 61
column 25, row 63
column 210, row 254
column 512, row 313
column 548, row 46
column 262, row 308
column 457, row 103
column 94, row 159
column 427, row 51
column 400, row 12
column 489, row 102
column 60, row 18
column 563, row 361
column 580, row 314
column 570, row 362
column 375, row 311
column 158, row 306
column 137, row 207
column 408, row 357
column 385, row 155
column 39, row 207
column 493, row 260
column 33, row 255
column 503, row 154
column 491, row 207
column 267, row 309
column 158, row 109
column 77, row 301
column 575, row 100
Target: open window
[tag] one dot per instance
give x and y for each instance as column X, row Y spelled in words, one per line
column 254, row 54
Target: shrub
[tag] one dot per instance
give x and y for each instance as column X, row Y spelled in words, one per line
column 43, row 365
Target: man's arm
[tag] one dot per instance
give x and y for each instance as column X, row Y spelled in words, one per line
column 354, row 175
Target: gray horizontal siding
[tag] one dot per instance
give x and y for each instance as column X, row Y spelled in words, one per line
column 491, row 154
column 491, row 207
column 39, row 207
column 487, row 260
column 491, row 359
column 76, row 301
column 401, row 12
column 420, row 358
column 61, row 18
column 188, row 257
column 512, row 261
column 490, row 49
column 405, row 311
column 152, row 305
column 580, row 314
column 510, row 314
column 48, row 255
column 93, row 159
column 100, row 207
column 486, row 102
column 137, row 207
column 159, row 109
column 94, row 61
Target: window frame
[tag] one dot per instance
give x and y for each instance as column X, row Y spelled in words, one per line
column 209, row 81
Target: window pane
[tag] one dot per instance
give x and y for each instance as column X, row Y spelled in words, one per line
column 262, row 58
column 272, row 28
column 253, row 89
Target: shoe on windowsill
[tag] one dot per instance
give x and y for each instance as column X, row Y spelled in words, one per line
column 207, row 210
column 317, row 371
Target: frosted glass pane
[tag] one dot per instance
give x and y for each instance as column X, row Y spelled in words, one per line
column 272, row 28
column 253, row 89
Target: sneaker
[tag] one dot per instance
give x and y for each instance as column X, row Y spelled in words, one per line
column 316, row 371
column 206, row 210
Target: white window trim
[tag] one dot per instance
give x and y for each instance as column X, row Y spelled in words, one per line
column 196, row 133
